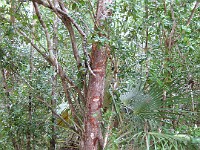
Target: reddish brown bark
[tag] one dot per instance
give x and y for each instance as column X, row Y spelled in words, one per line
column 93, row 135
column 93, row 138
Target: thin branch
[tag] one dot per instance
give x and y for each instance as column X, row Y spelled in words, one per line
column 165, row 9
column 147, row 29
column 49, row 44
column 87, row 55
column 7, row 105
column 192, row 13
column 56, row 114
column 64, row 77
column 54, row 7
column 59, row 11
column 108, row 130
column 190, row 18
column 35, row 46
column 67, row 94
column 68, row 24
column 93, row 16
column 62, row 73
column 50, row 4
column 62, row 13
column 173, row 27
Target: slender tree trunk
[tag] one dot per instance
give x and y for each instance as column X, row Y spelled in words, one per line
column 53, row 104
column 93, row 138
column 28, row 146
column 12, row 10
column 30, row 109
column 54, row 84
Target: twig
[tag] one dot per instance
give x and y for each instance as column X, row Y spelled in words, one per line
column 67, row 94
column 93, row 12
column 87, row 55
column 192, row 13
column 173, row 27
column 108, row 130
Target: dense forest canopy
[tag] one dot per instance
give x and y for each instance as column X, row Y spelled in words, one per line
column 99, row 74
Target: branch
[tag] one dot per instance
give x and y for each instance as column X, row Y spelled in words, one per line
column 147, row 29
column 64, row 13
column 108, row 130
column 67, row 94
column 164, row 3
column 93, row 16
column 190, row 18
column 173, row 27
column 87, row 55
column 35, row 46
column 64, row 77
column 49, row 44
column 68, row 24
column 192, row 13
column 56, row 114
column 62, row 73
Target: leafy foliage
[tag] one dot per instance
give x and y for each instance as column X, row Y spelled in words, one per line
column 152, row 92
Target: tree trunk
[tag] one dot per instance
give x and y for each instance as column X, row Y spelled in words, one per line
column 29, row 134
column 54, row 84
column 93, row 138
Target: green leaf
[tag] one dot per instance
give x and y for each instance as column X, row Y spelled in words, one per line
column 74, row 6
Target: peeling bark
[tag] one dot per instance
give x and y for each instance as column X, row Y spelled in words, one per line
column 93, row 138
column 95, row 95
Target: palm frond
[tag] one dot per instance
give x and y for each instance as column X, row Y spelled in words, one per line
column 138, row 101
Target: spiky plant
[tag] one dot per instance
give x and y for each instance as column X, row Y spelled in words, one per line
column 149, row 122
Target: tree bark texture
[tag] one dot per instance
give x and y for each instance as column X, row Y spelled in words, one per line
column 93, row 138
